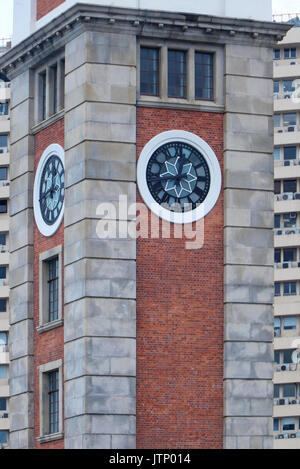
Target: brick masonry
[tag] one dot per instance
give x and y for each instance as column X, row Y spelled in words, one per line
column 45, row 6
column 48, row 346
column 180, row 315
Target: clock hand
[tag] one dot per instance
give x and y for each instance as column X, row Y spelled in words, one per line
column 46, row 193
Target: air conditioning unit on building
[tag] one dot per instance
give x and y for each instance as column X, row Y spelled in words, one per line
column 293, row 402
column 286, row 265
column 292, row 128
column 293, row 435
column 281, row 402
column 297, row 195
column 285, row 368
column 287, row 196
column 280, row 437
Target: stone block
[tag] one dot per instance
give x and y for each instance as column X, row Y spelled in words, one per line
column 19, row 120
column 21, row 412
column 21, row 157
column 21, row 303
column 21, row 229
column 21, row 339
column 100, row 317
column 21, row 193
column 249, row 246
column 21, row 376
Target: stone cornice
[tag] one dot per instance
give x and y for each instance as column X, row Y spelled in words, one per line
column 143, row 23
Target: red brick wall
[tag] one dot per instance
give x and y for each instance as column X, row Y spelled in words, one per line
column 180, row 315
column 48, row 346
column 44, row 6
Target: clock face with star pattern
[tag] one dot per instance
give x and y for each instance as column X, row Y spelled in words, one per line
column 179, row 176
column 49, row 190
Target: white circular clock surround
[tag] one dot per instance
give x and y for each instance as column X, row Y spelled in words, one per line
column 44, row 228
column 211, row 160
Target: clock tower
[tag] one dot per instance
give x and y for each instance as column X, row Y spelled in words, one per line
column 141, row 225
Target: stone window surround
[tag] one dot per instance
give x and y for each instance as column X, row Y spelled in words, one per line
column 44, row 324
column 47, row 68
column 44, row 404
column 190, row 48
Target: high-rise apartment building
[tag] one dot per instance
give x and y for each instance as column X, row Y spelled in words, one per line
column 287, row 238
column 164, row 340
column 5, row 45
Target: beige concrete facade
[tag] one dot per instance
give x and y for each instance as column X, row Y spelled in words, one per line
column 4, row 254
column 286, row 411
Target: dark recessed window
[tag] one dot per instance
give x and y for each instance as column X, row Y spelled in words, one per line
column 288, row 424
column 276, row 154
column 276, row 54
column 3, row 143
column 277, row 289
column 290, row 323
column 53, row 401
column 277, row 256
column 276, row 221
column 177, row 74
column 54, row 89
column 288, row 85
column 290, row 53
column 149, row 71
column 204, row 79
column 289, row 390
column 289, row 289
column 289, row 119
column 276, row 357
column 277, row 187
column 3, row 305
column 289, row 255
column 276, row 86
column 289, row 220
column 276, row 119
column 276, row 425
column 290, row 185
column 43, row 87
column 289, row 153
column 288, row 358
column 3, row 436
column 3, row 206
column 53, row 288
column 2, row 272
column 3, row 109
column 276, row 390
column 3, row 404
column 3, row 174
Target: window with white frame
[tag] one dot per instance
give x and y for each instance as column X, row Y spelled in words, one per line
column 51, row 405
column 50, row 289
column 288, row 424
column 50, row 88
column 290, row 323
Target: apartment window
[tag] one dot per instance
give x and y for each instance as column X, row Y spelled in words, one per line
column 289, row 220
column 3, row 338
column 3, row 305
column 288, row 357
column 54, row 88
column 149, row 71
column 3, row 206
column 288, row 424
column 277, row 289
column 177, row 74
column 3, row 437
column 3, row 404
column 276, row 154
column 50, row 285
column 289, row 119
column 289, row 288
column 276, row 54
column 276, row 357
column 277, row 256
column 51, row 401
column 276, row 391
column 3, row 371
column 276, row 86
column 276, row 119
column 277, row 324
column 289, row 390
column 290, row 323
column 289, row 255
column 277, row 187
column 3, row 174
column 290, row 185
column 2, row 239
column 288, row 86
column 3, row 109
column 2, row 272
column 204, row 76
column 290, row 53
column 3, row 143
column 276, row 221
column 289, row 153
column 276, row 425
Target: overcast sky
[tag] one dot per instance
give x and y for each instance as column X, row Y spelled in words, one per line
column 6, row 12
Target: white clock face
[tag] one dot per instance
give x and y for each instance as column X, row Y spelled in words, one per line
column 49, row 190
column 179, row 176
